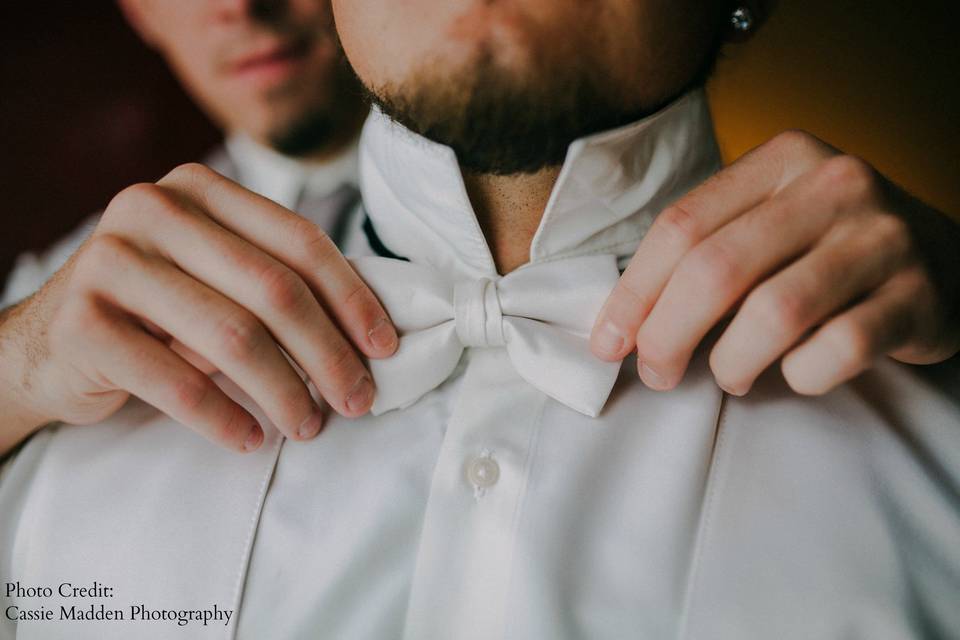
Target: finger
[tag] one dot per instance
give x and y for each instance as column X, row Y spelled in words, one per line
column 716, row 274
column 131, row 359
column 192, row 357
column 752, row 179
column 274, row 293
column 185, row 352
column 228, row 336
column 853, row 260
column 850, row 343
column 301, row 245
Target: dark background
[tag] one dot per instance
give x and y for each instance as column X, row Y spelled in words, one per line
column 86, row 109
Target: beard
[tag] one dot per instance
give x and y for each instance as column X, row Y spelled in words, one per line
column 503, row 121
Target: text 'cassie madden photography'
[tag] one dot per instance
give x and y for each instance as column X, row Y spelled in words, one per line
column 68, row 602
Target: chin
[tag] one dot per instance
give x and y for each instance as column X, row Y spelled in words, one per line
column 499, row 31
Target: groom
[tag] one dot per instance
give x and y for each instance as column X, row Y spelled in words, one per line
column 507, row 484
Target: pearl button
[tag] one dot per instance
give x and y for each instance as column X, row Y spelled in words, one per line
column 483, row 471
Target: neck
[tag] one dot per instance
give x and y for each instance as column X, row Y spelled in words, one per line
column 509, row 209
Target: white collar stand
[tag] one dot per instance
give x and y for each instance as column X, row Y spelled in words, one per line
column 284, row 179
column 610, row 188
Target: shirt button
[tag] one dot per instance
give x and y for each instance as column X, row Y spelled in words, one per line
column 483, row 471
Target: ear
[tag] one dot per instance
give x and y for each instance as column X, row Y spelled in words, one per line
column 759, row 9
column 133, row 11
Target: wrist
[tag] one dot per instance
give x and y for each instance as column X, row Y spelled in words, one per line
column 19, row 415
column 19, row 421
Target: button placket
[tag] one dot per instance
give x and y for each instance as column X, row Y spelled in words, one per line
column 469, row 531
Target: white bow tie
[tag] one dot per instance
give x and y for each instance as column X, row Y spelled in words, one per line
column 541, row 313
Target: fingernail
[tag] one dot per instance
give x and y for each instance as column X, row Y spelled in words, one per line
column 254, row 438
column 382, row 336
column 311, row 426
column 609, row 339
column 733, row 391
column 650, row 377
column 358, row 399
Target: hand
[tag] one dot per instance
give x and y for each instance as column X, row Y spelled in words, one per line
column 820, row 260
column 181, row 278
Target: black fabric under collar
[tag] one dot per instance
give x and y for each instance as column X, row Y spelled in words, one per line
column 375, row 242
column 381, row 249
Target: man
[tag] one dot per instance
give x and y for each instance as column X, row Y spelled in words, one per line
column 272, row 75
column 482, row 500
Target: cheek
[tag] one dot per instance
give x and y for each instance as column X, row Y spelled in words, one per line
column 195, row 64
column 660, row 46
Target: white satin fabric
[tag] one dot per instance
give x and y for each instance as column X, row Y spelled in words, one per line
column 487, row 508
column 541, row 314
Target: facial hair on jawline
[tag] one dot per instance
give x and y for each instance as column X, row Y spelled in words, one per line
column 325, row 124
column 501, row 122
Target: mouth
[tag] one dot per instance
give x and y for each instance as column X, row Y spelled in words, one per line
column 272, row 63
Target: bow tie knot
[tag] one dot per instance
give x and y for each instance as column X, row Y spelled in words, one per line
column 540, row 313
column 477, row 313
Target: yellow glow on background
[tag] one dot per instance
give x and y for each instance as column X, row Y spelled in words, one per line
column 878, row 79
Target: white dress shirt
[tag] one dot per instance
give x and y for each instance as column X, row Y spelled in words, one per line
column 486, row 507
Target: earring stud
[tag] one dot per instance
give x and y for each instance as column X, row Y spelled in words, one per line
column 741, row 19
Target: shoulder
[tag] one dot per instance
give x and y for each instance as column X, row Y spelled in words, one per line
column 34, row 268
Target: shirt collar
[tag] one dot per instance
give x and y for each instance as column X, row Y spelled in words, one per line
column 610, row 188
column 285, row 180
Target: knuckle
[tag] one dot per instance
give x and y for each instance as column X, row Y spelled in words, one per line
column 795, row 141
column 142, row 202
column 190, row 391
column 282, row 288
column 849, row 176
column 891, row 225
column 241, row 335
column 678, row 224
column 712, row 268
column 894, row 232
column 104, row 253
column 851, row 343
column 130, row 200
column 313, row 244
column 189, row 174
column 630, row 299
column 779, row 311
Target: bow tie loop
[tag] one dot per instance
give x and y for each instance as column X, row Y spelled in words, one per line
column 541, row 313
column 477, row 313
